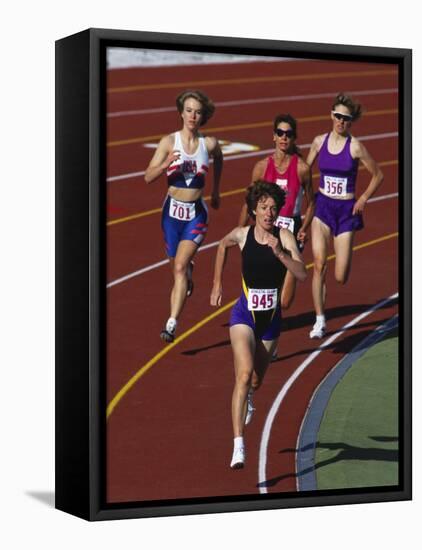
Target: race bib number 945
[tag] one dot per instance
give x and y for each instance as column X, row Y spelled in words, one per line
column 335, row 187
column 262, row 299
column 184, row 211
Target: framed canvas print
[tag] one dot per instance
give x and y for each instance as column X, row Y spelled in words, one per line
column 233, row 229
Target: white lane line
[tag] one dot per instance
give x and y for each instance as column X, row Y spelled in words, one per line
column 151, row 267
column 263, row 448
column 254, row 154
column 205, row 247
column 237, row 102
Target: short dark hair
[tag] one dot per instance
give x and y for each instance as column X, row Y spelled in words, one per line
column 208, row 106
column 354, row 107
column 261, row 189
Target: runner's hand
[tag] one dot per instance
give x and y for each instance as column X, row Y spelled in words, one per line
column 216, row 295
column 359, row 205
column 215, row 200
column 274, row 243
column 301, row 236
column 171, row 157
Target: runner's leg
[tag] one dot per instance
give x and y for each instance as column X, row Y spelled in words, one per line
column 343, row 247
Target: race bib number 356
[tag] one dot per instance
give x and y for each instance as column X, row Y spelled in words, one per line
column 184, row 211
column 262, row 299
column 335, row 187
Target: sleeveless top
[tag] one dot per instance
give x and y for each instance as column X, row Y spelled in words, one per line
column 261, row 270
column 188, row 172
column 289, row 182
column 339, row 171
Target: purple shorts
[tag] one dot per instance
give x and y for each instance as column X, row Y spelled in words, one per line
column 266, row 325
column 337, row 214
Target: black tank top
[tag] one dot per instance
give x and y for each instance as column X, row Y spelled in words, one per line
column 261, row 269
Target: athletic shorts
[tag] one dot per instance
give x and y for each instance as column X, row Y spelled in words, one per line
column 337, row 214
column 265, row 325
column 183, row 221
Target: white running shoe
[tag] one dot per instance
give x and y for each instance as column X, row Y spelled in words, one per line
column 318, row 330
column 238, row 458
column 274, row 356
column 249, row 408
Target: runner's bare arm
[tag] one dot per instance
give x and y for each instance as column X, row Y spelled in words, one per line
column 314, row 150
column 235, row 237
column 292, row 259
column 161, row 160
column 214, row 150
column 257, row 174
column 359, row 151
column 304, row 173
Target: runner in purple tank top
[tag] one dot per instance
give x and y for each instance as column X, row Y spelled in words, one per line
column 337, row 211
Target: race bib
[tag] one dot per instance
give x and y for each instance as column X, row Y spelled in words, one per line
column 184, row 211
column 335, row 187
column 282, row 183
column 262, row 299
column 285, row 223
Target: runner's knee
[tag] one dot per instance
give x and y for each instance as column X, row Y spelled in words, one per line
column 320, row 266
column 342, row 278
column 243, row 378
column 179, row 268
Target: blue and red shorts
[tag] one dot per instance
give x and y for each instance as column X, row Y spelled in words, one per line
column 337, row 214
column 183, row 221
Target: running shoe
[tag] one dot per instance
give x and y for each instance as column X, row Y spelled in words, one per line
column 169, row 332
column 274, row 356
column 318, row 330
column 238, row 458
column 189, row 289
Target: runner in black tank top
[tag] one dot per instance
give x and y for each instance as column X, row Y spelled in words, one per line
column 261, row 270
column 255, row 320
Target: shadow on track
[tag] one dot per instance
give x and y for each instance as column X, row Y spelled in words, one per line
column 345, row 452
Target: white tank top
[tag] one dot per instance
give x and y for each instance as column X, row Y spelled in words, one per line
column 189, row 170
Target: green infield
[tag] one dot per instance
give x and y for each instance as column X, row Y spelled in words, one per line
column 357, row 444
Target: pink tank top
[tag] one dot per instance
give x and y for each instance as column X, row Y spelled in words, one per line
column 289, row 182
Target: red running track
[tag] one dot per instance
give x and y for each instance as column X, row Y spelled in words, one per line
column 169, row 435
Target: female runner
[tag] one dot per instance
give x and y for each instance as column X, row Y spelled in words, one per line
column 289, row 171
column 184, row 157
column 267, row 253
column 337, row 212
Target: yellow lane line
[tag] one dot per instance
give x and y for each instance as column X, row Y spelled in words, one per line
column 220, row 129
column 125, row 389
column 230, row 82
column 161, row 354
column 225, row 194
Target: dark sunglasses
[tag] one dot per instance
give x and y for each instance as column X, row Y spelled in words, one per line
column 340, row 116
column 287, row 133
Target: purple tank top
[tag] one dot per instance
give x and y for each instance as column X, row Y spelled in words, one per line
column 338, row 172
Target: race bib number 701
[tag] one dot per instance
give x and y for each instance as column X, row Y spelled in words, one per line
column 262, row 299
column 184, row 211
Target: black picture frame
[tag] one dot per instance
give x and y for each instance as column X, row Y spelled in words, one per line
column 80, row 271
